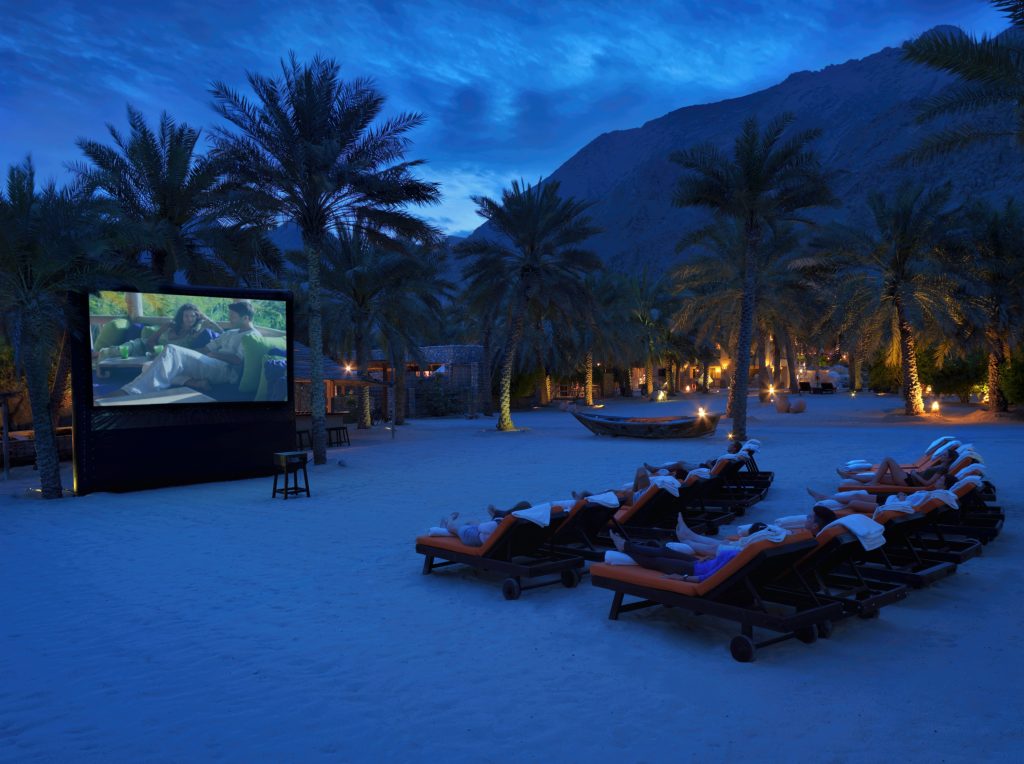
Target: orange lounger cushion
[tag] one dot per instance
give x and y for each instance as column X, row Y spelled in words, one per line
column 452, row 544
column 655, row 579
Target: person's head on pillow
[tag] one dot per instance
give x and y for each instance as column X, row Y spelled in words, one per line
column 733, row 447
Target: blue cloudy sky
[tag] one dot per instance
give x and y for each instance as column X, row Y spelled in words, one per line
column 510, row 88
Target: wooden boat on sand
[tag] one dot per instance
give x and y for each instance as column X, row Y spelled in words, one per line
column 649, row 427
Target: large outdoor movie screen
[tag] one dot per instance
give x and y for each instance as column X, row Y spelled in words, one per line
column 150, row 349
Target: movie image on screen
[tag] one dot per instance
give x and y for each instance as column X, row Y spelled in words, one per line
column 152, row 349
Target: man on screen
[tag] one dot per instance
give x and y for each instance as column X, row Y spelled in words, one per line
column 219, row 362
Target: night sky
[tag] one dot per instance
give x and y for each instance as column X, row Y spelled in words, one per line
column 510, row 89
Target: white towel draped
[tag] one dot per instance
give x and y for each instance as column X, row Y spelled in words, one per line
column 795, row 522
column 870, row 534
column 939, row 442
column 606, row 499
column 538, row 515
column 618, row 558
column 665, row 483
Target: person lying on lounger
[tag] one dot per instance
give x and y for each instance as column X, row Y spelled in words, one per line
column 475, row 532
column 890, row 472
column 682, row 468
column 630, row 495
column 855, row 501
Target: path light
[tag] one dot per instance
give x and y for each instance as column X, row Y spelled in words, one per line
column 853, row 393
column 348, row 367
column 701, row 412
column 730, row 436
column 771, row 391
column 661, row 395
column 935, row 407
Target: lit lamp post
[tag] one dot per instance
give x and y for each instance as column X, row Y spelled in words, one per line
column 935, row 407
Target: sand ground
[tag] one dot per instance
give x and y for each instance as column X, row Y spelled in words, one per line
column 212, row 623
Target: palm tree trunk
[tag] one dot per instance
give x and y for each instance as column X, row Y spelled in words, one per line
column 58, row 390
column 543, row 387
column 854, row 368
column 399, row 364
column 673, row 376
column 363, row 364
column 912, row 395
column 705, row 376
column 776, row 361
column 730, row 400
column 505, row 423
column 317, row 395
column 588, row 380
column 487, row 367
column 794, row 380
column 37, row 381
column 996, row 395
column 742, row 374
column 649, row 371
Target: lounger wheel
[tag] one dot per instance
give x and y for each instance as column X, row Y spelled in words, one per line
column 742, row 649
column 511, row 589
column 825, row 629
column 808, row 634
column 570, row 578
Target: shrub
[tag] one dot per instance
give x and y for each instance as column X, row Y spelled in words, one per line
column 1013, row 378
column 958, row 376
column 435, row 397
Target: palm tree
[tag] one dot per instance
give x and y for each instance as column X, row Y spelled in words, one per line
column 606, row 332
column 993, row 261
column 766, row 181
column 168, row 196
column 534, row 266
column 307, row 150
column 891, row 281
column 991, row 74
column 51, row 242
column 651, row 304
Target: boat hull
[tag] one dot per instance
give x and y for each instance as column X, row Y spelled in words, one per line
column 649, row 427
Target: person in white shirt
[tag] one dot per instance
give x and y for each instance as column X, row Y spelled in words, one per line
column 219, row 362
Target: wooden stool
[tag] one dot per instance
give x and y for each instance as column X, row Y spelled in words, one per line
column 338, row 436
column 290, row 462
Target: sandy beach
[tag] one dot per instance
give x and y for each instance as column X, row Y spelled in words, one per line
column 213, row 623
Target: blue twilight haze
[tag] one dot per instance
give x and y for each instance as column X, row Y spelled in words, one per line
column 510, row 89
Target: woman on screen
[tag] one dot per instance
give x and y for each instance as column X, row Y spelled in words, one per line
column 186, row 329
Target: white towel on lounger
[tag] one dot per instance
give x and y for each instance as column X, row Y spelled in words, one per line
column 538, row 515
column 666, row 483
column 941, row 494
column 438, row 531
column 701, row 473
column 939, row 442
column 960, row 485
column 861, row 494
column 896, row 504
column 618, row 558
column 944, row 448
column 970, row 469
column 565, row 504
column 769, row 533
column 678, row 546
column 870, row 534
column 606, row 499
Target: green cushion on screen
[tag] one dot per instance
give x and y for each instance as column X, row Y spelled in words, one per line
column 253, row 350
column 111, row 333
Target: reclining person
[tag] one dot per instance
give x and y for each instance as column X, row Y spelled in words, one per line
column 218, row 362
column 853, row 500
column 890, row 472
column 681, row 467
column 642, row 480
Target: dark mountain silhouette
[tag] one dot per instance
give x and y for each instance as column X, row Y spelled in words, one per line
column 866, row 110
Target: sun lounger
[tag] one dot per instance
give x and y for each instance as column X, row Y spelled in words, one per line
column 584, row 532
column 518, row 548
column 658, row 510
column 829, row 573
column 736, row 592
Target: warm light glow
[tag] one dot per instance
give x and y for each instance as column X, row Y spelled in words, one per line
column 771, row 389
column 700, row 411
column 853, row 393
column 928, row 390
column 730, row 436
column 687, row 388
column 661, row 395
column 348, row 367
column 935, row 407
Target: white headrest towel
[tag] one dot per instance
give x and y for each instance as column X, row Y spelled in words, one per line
column 751, row 446
column 669, row 484
column 897, row 504
column 565, row 504
column 538, row 515
column 857, row 464
column 945, row 447
column 962, row 485
column 938, row 442
column 829, row 503
column 606, row 499
column 970, row 469
column 755, row 441
column 701, row 473
column 795, row 522
column 729, row 457
column 870, row 534
column 618, row 558
column 941, row 494
column 771, row 533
